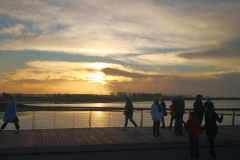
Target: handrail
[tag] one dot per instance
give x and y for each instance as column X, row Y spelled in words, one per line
column 100, row 109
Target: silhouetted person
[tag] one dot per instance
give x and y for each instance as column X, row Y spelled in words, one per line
column 10, row 115
column 172, row 114
column 129, row 113
column 211, row 118
column 179, row 110
column 157, row 116
column 193, row 129
column 163, row 105
column 208, row 103
column 199, row 108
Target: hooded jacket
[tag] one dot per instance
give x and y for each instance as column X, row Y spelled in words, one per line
column 11, row 113
column 193, row 127
column 156, row 114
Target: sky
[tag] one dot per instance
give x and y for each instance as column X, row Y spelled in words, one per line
column 102, row 46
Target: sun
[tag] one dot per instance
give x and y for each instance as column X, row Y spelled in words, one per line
column 98, row 77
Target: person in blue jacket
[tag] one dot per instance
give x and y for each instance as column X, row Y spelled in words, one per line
column 10, row 115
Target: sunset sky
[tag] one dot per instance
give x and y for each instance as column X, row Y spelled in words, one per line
column 102, row 46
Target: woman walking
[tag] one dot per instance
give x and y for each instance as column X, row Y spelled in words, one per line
column 157, row 116
column 211, row 118
column 10, row 115
column 128, row 113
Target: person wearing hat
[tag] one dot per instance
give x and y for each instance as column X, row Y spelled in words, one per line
column 211, row 118
column 199, row 108
column 208, row 103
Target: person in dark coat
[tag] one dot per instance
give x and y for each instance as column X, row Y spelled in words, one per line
column 10, row 115
column 128, row 113
column 193, row 129
column 199, row 108
column 163, row 105
column 179, row 106
column 211, row 118
column 208, row 103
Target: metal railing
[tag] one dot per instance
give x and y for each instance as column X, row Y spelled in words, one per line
column 51, row 118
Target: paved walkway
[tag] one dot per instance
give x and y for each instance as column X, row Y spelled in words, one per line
column 103, row 139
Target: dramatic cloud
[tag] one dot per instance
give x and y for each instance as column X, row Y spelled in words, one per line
column 112, row 28
column 153, row 38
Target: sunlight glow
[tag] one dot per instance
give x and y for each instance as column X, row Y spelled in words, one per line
column 98, row 77
column 98, row 65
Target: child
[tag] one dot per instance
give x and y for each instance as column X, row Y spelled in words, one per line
column 193, row 129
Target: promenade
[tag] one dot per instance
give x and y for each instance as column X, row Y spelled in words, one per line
column 104, row 139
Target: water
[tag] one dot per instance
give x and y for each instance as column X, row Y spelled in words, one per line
column 145, row 104
column 96, row 119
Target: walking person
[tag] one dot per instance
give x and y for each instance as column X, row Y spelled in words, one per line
column 199, row 108
column 193, row 129
column 211, row 118
column 10, row 115
column 163, row 105
column 157, row 116
column 129, row 113
column 178, row 106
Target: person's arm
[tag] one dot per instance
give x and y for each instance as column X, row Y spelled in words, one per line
column 194, row 106
column 213, row 106
column 219, row 119
column 153, row 112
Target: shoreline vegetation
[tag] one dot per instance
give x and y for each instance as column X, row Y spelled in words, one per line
column 82, row 99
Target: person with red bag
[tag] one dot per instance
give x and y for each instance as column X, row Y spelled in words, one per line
column 193, row 128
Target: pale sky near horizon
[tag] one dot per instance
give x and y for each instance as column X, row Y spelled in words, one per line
column 102, row 46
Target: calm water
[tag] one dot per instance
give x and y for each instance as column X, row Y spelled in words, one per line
column 146, row 104
column 86, row 119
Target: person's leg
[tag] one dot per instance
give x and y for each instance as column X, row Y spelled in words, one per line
column 209, row 141
column 176, row 124
column 163, row 122
column 130, row 118
column 213, row 150
column 200, row 119
column 192, row 147
column 180, row 124
column 126, row 121
column 158, row 127
column 196, row 145
column 171, row 121
column 4, row 125
column 154, row 128
column 16, row 125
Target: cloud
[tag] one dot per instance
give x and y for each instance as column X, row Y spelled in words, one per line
column 101, row 78
column 112, row 28
column 15, row 30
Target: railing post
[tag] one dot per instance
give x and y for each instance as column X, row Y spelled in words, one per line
column 233, row 119
column 73, row 120
column 109, row 120
column 141, row 123
column 33, row 120
column 54, row 120
column 90, row 119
